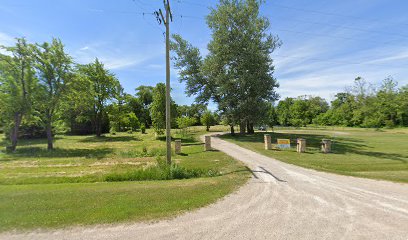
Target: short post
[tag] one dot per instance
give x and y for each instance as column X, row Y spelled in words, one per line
column 301, row 145
column 207, row 145
column 268, row 142
column 326, row 145
column 177, row 146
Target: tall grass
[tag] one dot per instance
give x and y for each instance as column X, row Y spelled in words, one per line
column 160, row 171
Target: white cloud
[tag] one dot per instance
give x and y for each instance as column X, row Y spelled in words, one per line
column 5, row 40
column 312, row 75
column 114, row 58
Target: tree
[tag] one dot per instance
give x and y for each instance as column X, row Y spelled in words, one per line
column 402, row 99
column 195, row 111
column 298, row 112
column 142, row 103
column 158, row 108
column 272, row 119
column 207, row 119
column 386, row 103
column 54, row 68
column 237, row 73
column 17, row 86
column 104, row 87
column 185, row 122
column 283, row 111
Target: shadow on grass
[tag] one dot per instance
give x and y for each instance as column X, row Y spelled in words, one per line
column 246, row 170
column 191, row 144
column 340, row 145
column 36, row 152
column 109, row 139
column 28, row 142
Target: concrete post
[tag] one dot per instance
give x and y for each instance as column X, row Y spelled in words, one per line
column 207, row 145
column 177, row 146
column 268, row 142
column 301, row 145
column 326, row 146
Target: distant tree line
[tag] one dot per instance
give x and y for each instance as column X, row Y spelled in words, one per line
column 43, row 92
column 361, row 105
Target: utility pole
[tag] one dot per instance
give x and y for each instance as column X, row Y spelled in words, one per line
column 166, row 20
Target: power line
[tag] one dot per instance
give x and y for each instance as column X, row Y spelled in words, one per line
column 192, row 3
column 347, row 27
column 327, row 13
column 332, row 36
column 307, row 33
column 334, row 61
column 323, row 13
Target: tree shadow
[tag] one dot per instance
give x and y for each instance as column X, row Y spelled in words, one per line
column 37, row 152
column 191, row 144
column 245, row 169
column 109, row 139
column 28, row 142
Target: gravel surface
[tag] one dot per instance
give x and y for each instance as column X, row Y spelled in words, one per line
column 281, row 201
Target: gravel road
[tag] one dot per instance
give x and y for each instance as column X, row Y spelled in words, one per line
column 281, row 201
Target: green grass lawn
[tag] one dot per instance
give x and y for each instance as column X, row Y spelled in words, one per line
column 377, row 154
column 65, row 187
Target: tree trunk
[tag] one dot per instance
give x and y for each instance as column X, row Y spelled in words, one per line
column 250, row 128
column 98, row 125
column 208, row 128
column 251, row 125
column 14, row 131
column 232, row 130
column 242, row 128
column 50, row 145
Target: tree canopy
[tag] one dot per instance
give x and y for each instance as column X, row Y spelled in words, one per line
column 237, row 73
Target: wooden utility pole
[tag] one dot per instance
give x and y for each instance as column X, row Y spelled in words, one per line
column 166, row 20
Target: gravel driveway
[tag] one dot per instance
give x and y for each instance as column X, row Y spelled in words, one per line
column 281, row 201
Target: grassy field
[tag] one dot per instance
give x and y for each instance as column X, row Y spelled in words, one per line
column 377, row 154
column 40, row 189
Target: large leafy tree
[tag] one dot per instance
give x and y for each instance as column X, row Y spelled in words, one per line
column 140, row 105
column 104, row 88
column 237, row 73
column 158, row 108
column 207, row 119
column 55, row 71
column 283, row 111
column 402, row 99
column 17, row 87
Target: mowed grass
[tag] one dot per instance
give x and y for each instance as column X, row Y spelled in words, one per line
column 377, row 154
column 66, row 187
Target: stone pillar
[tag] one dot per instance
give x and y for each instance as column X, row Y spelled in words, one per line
column 207, row 145
column 301, row 145
column 268, row 142
column 177, row 146
column 326, row 146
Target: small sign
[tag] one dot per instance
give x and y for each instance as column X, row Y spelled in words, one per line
column 283, row 144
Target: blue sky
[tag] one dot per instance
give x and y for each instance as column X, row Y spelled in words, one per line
column 326, row 44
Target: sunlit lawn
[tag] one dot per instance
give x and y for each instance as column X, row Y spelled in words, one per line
column 377, row 154
column 41, row 189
